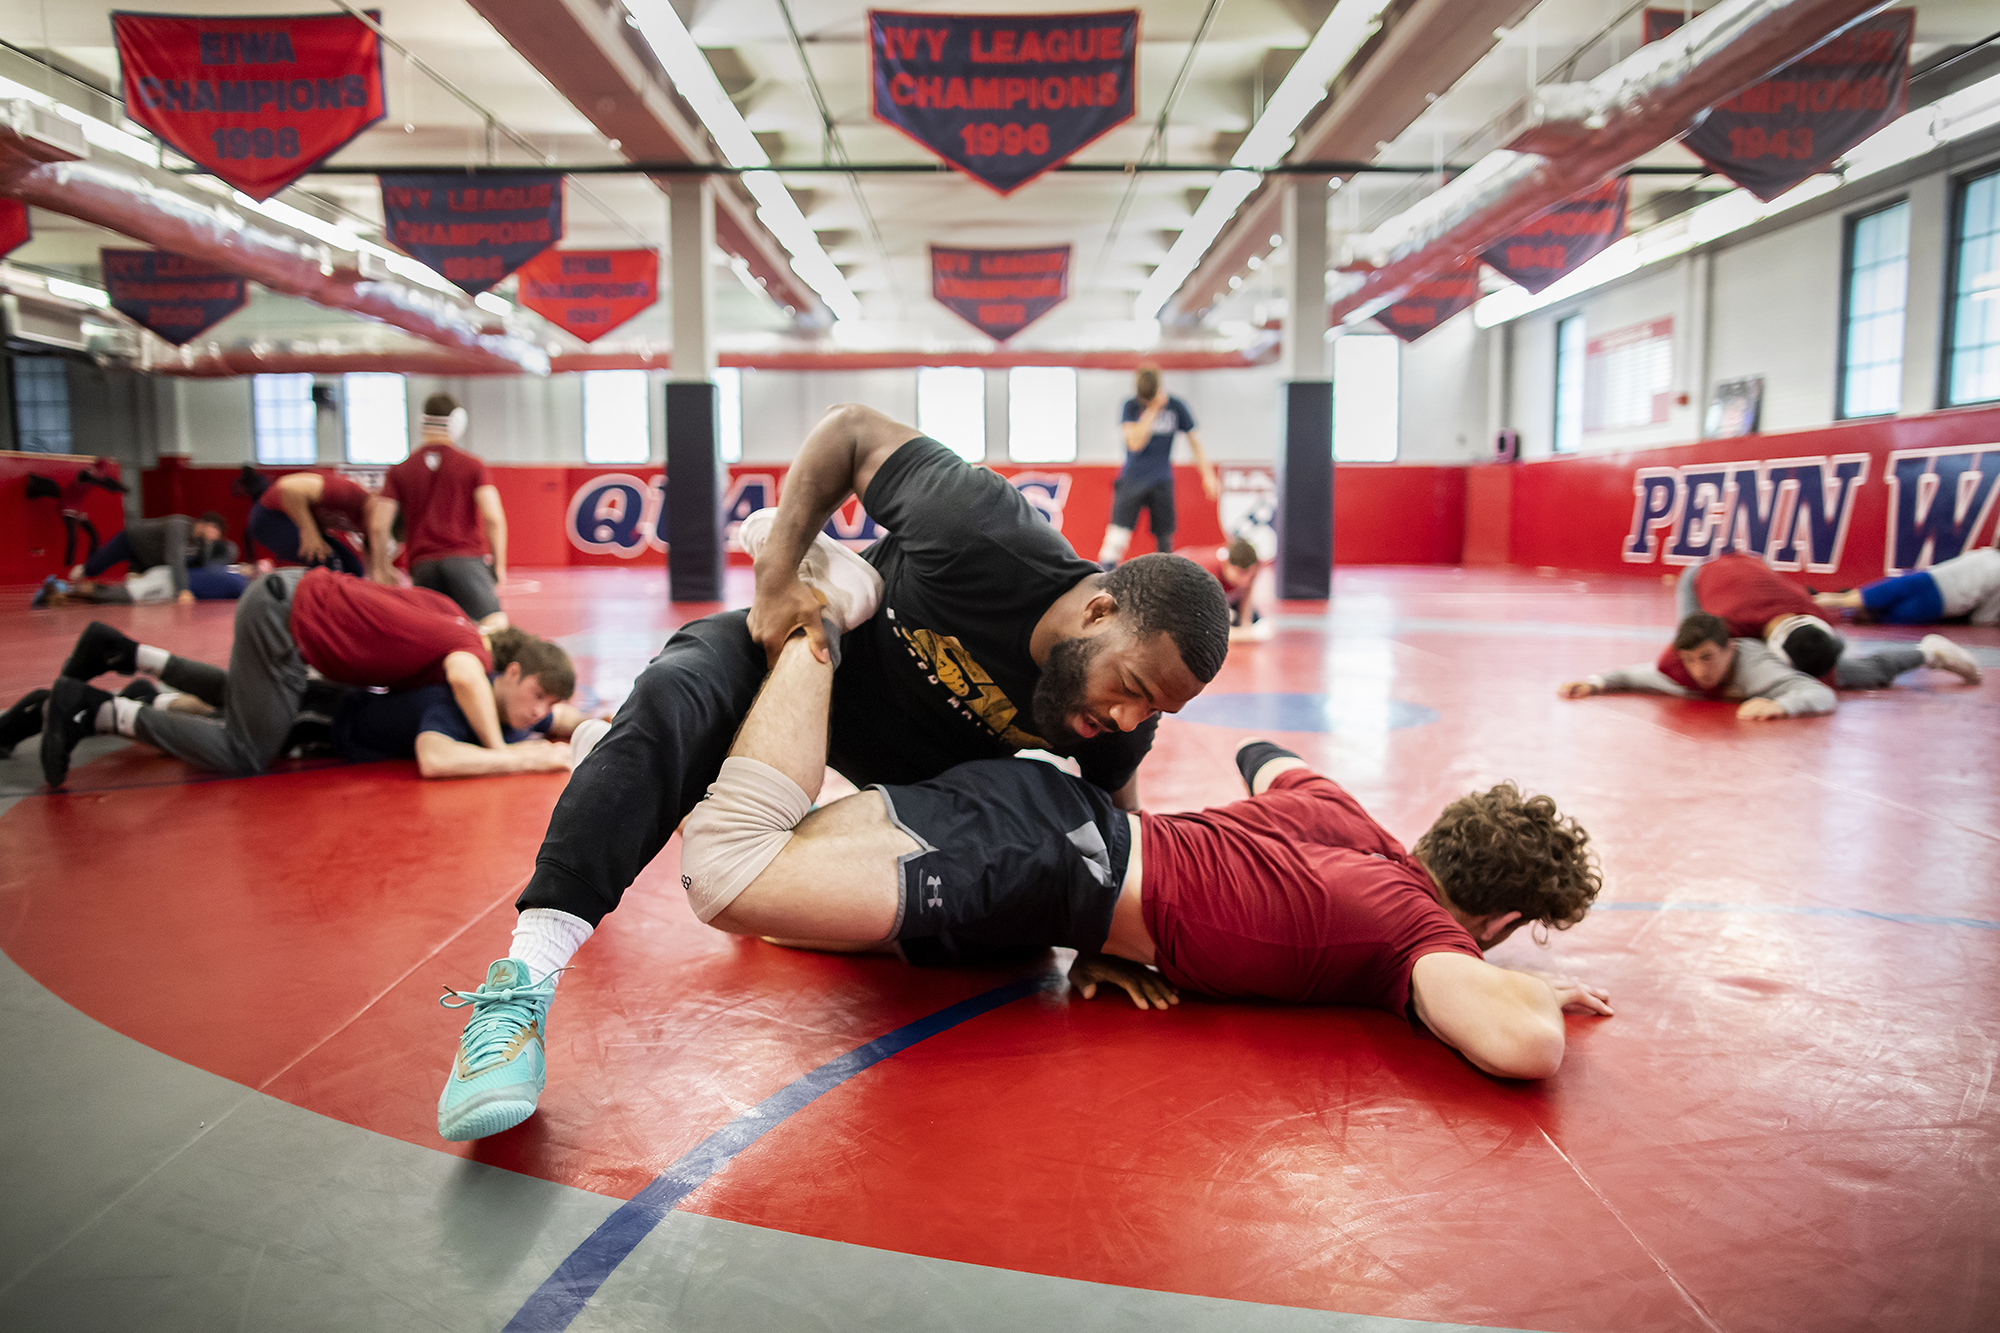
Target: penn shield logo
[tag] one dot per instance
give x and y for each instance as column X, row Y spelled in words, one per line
column 1793, row 513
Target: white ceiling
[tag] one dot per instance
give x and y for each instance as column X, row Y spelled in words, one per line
column 1247, row 48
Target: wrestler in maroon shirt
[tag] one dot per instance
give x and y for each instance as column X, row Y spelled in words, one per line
column 1294, row 895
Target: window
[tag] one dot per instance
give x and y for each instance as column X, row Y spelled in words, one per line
column 282, row 415
column 1569, row 384
column 1366, row 386
column 1041, row 414
column 1973, row 375
column 616, row 427
column 1871, row 343
column 951, row 408
column 378, row 418
column 41, row 404
column 729, row 413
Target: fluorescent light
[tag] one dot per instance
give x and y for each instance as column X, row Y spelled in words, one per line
column 76, row 291
column 1345, row 29
column 1217, row 207
column 487, row 301
column 101, row 133
column 1964, row 112
column 299, row 220
column 695, row 80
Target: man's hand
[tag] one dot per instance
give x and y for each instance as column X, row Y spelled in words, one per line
column 1577, row 689
column 1143, row 984
column 313, row 549
column 781, row 607
column 1572, row 993
column 542, row 756
column 1760, row 710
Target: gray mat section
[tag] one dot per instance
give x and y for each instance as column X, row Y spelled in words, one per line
column 21, row 771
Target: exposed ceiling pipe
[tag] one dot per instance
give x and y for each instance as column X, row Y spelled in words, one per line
column 1580, row 134
column 213, row 361
column 166, row 214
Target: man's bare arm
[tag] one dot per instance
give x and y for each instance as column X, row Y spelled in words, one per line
column 381, row 529
column 296, row 493
column 493, row 523
column 1508, row 1024
column 466, row 675
column 839, row 458
column 440, row 756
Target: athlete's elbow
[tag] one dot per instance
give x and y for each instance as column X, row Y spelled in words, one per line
column 1528, row 1054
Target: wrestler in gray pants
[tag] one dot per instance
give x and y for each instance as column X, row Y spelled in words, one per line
column 261, row 695
column 1854, row 671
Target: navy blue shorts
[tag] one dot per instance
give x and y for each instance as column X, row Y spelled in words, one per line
column 1016, row 855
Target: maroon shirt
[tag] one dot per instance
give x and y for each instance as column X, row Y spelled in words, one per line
column 358, row 632
column 435, row 487
column 342, row 505
column 1293, row 895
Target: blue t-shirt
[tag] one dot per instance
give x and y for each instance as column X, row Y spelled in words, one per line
column 369, row 727
column 1155, row 462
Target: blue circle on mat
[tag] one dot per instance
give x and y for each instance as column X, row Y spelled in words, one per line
column 1304, row 712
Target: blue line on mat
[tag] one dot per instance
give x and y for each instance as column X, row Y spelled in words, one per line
column 561, row 1298
column 1853, row 913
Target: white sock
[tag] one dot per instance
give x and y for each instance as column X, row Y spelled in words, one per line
column 152, row 661
column 164, row 700
column 545, row 939
column 115, row 716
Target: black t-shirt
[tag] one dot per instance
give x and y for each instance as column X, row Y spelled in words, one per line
column 941, row 674
column 369, row 727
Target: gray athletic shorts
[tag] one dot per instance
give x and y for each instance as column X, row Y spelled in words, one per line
column 465, row 580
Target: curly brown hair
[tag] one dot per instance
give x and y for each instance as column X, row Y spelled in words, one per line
column 1504, row 851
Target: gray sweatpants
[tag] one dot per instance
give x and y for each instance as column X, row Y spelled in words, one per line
column 1854, row 671
column 260, row 696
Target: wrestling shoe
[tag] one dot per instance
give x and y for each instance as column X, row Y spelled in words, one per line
column 848, row 584
column 1253, row 754
column 99, row 649
column 145, row 691
column 585, row 738
column 502, row 1063
column 1942, row 654
column 71, row 715
column 53, row 592
column 23, row 720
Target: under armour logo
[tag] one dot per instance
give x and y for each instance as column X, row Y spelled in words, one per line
column 932, row 883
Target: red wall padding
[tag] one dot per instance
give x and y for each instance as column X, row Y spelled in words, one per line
column 31, row 533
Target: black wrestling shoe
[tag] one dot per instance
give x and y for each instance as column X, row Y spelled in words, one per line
column 72, row 715
column 23, row 720
column 1253, row 754
column 145, row 691
column 99, row 649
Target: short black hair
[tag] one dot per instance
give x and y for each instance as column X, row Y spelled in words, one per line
column 1172, row 595
column 1812, row 648
column 1700, row 628
column 440, row 405
column 210, row 516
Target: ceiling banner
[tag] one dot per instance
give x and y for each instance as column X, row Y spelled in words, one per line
column 258, row 101
column 590, row 292
column 1558, row 241
column 1004, row 97
column 1774, row 134
column 1000, row 292
column 474, row 230
column 1432, row 301
column 175, row 297
column 14, row 232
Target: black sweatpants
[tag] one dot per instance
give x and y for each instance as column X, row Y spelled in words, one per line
column 665, row 747
column 1156, row 498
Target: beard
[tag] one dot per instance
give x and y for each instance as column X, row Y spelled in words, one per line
column 1062, row 692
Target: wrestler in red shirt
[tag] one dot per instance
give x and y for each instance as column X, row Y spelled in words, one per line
column 294, row 516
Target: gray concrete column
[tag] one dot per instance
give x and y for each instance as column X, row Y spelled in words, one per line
column 1305, row 463
column 1924, row 299
column 695, row 474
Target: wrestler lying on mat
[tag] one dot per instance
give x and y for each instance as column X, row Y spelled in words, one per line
column 1295, row 894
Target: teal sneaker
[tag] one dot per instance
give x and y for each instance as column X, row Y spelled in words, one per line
column 502, row 1064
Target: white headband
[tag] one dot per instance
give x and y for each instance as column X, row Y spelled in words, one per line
column 453, row 426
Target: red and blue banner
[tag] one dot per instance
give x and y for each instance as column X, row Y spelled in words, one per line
column 1432, row 301
column 474, row 230
column 1000, row 292
column 1557, row 242
column 1004, row 97
column 258, row 101
column 14, row 232
column 1774, row 134
column 176, row 297
column 588, row 293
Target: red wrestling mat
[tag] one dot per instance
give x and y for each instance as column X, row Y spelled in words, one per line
column 1786, row 1127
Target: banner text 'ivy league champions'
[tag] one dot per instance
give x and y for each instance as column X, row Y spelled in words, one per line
column 474, row 232
column 259, row 101
column 1004, row 97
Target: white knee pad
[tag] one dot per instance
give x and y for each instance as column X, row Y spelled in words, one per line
column 1116, row 539
column 732, row 836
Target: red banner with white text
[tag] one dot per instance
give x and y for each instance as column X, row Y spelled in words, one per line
column 588, row 293
column 258, row 100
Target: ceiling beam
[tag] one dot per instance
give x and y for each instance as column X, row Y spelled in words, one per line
column 584, row 51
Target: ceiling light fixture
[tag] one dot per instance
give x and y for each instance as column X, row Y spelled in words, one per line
column 695, row 80
column 1346, row 28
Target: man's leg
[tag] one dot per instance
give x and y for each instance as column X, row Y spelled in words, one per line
column 1874, row 671
column 265, row 685
column 1160, row 508
column 1125, row 501
column 275, row 532
column 466, row 581
column 1906, row 599
column 116, row 551
column 1686, row 603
